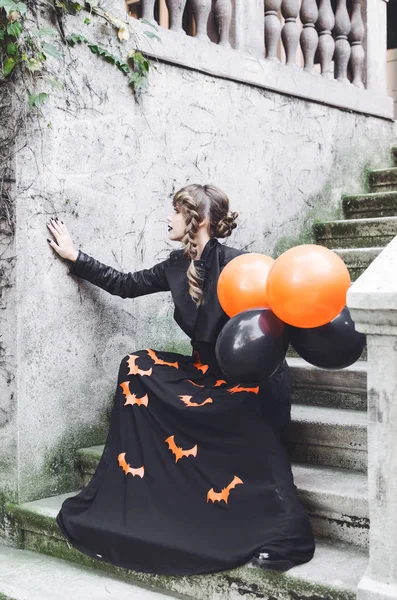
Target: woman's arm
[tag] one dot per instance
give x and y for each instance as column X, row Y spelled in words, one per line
column 126, row 285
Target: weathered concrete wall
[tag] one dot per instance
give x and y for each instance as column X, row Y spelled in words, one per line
column 107, row 166
column 8, row 313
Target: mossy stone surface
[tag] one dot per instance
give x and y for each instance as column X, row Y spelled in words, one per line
column 243, row 582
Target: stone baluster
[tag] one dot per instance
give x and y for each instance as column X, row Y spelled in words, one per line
column 326, row 44
column 290, row 31
column 372, row 302
column 342, row 46
column 223, row 11
column 201, row 11
column 148, row 10
column 375, row 19
column 272, row 28
column 357, row 50
column 175, row 9
column 309, row 35
column 249, row 33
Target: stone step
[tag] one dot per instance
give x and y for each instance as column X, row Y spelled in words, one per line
column 357, row 259
column 27, row 575
column 380, row 204
column 331, row 437
column 346, row 388
column 383, row 179
column 337, row 501
column 341, row 515
column 356, row 233
column 332, row 574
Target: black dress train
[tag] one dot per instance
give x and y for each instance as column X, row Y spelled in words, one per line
column 194, row 476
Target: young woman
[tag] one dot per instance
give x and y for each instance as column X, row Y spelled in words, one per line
column 194, row 476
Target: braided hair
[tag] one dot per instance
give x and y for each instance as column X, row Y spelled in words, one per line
column 197, row 202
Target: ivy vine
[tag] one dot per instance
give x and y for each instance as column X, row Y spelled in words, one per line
column 27, row 50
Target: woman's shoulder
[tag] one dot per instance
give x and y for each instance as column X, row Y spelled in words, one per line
column 227, row 253
column 176, row 255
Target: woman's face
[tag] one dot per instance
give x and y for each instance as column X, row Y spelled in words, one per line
column 176, row 225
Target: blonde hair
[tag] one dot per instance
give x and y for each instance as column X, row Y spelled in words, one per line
column 197, row 202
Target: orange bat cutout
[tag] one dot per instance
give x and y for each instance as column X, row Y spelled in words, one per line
column 177, row 450
column 224, row 494
column 200, row 367
column 132, row 398
column 186, row 400
column 220, row 382
column 196, row 384
column 134, row 369
column 128, row 469
column 238, row 388
column 159, row 361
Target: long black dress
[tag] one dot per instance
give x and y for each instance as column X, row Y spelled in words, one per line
column 194, row 476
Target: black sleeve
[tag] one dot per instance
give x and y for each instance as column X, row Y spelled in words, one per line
column 126, row 285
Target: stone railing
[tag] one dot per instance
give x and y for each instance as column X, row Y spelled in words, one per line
column 372, row 301
column 305, row 48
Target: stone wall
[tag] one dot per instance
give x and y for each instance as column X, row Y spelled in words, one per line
column 107, row 165
column 8, row 313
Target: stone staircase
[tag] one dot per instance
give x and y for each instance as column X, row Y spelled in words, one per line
column 328, row 445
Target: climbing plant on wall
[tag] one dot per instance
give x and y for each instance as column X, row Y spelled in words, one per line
column 25, row 49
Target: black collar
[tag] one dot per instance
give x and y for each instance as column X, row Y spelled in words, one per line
column 208, row 248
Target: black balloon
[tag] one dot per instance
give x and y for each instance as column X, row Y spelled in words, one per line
column 335, row 345
column 251, row 346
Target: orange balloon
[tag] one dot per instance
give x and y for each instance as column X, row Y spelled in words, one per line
column 242, row 283
column 307, row 286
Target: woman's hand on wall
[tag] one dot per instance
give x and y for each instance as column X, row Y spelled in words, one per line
column 63, row 244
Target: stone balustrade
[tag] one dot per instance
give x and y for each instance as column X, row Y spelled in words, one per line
column 344, row 40
column 328, row 51
column 372, row 301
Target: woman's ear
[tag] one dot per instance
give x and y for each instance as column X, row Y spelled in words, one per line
column 204, row 223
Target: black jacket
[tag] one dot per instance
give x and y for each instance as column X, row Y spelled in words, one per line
column 201, row 324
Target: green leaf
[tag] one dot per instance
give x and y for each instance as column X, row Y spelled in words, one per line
column 87, row 21
column 124, row 68
column 70, row 7
column 21, row 7
column 152, row 35
column 110, row 59
column 37, row 100
column 94, row 48
column 76, row 38
column 146, row 22
column 9, row 65
column 142, row 84
column 140, row 62
column 8, row 5
column 44, row 32
column 12, row 49
column 135, row 78
column 33, row 65
column 50, row 50
column 14, row 29
column 54, row 83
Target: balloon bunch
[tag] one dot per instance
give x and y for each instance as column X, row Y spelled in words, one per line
column 298, row 298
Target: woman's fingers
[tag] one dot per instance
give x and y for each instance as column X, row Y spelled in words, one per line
column 63, row 243
column 52, row 229
column 53, row 244
column 56, row 225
